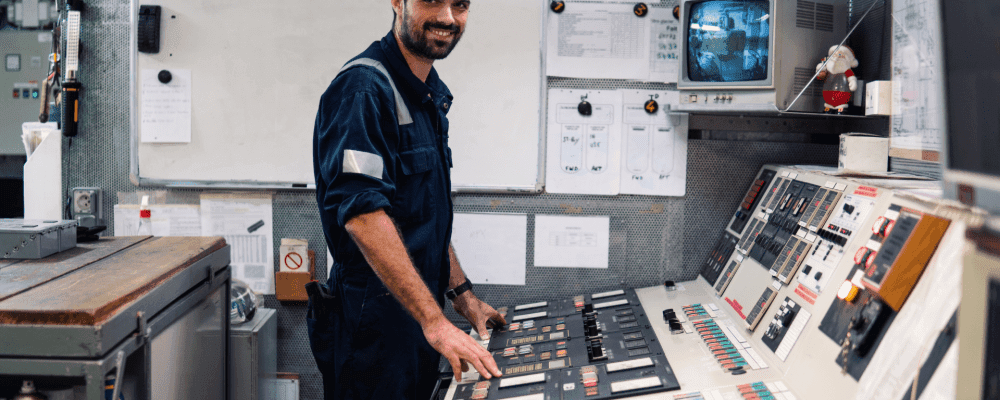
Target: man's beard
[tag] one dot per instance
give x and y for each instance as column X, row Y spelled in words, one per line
column 838, row 66
column 421, row 46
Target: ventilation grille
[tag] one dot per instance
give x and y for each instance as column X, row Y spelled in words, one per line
column 815, row 16
column 824, row 17
column 802, row 76
column 805, row 15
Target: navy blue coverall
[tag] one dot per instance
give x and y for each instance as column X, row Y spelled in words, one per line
column 372, row 149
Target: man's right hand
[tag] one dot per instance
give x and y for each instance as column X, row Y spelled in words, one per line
column 460, row 349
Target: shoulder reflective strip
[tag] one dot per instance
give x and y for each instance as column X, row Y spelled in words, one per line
column 635, row 384
column 610, row 304
column 542, row 314
column 402, row 113
column 607, row 294
column 629, row 364
column 360, row 162
column 522, row 380
column 532, row 305
column 536, row 396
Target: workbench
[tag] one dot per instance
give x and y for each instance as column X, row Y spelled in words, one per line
column 152, row 311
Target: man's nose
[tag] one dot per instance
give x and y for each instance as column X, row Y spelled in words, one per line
column 446, row 16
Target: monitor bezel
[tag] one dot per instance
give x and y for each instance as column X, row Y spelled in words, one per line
column 684, row 81
column 985, row 187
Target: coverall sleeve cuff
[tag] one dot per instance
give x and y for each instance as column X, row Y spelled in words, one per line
column 361, row 203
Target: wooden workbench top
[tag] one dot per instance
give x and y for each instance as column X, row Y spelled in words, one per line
column 87, row 284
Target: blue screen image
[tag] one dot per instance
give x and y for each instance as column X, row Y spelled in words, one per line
column 728, row 41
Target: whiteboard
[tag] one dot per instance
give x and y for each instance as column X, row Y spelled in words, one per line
column 258, row 69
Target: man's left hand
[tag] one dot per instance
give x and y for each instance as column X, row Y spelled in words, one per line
column 478, row 313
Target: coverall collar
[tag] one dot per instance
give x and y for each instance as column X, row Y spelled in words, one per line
column 433, row 89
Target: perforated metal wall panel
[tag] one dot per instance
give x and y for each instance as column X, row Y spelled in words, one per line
column 652, row 238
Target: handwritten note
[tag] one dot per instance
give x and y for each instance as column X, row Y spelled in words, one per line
column 654, row 145
column 663, row 48
column 166, row 107
column 583, row 152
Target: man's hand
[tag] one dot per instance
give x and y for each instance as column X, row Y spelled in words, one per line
column 478, row 313
column 460, row 349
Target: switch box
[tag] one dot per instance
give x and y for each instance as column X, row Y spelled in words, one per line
column 149, row 29
column 21, row 79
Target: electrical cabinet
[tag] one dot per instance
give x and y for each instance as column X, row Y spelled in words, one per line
column 26, row 64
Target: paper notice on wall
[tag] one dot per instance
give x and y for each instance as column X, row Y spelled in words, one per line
column 583, row 154
column 593, row 40
column 664, row 51
column 580, row 242
column 918, row 113
column 608, row 41
column 166, row 107
column 654, row 144
column 492, row 248
column 165, row 220
column 245, row 220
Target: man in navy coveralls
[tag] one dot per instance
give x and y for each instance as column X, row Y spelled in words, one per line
column 382, row 166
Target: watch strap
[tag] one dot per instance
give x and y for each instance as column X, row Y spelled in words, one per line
column 458, row 290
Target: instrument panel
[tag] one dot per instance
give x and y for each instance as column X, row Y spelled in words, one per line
column 797, row 298
column 597, row 346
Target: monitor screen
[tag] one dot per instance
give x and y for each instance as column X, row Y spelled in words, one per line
column 728, row 40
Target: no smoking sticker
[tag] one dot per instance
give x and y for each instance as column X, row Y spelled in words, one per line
column 293, row 261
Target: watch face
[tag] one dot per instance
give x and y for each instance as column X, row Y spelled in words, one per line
column 13, row 62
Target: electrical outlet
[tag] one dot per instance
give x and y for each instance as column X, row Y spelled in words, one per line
column 87, row 206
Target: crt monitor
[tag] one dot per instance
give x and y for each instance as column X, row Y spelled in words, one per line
column 755, row 55
column 971, row 156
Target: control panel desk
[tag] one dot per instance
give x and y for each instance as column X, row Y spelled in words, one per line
column 150, row 311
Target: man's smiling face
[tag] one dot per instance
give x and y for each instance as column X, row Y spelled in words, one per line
column 430, row 29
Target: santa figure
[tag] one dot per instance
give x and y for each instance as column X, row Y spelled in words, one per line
column 840, row 81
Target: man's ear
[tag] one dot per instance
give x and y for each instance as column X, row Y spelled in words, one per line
column 397, row 7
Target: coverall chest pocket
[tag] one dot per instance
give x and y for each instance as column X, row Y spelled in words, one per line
column 418, row 185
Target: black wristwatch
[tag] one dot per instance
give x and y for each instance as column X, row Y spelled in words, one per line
column 458, row 290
